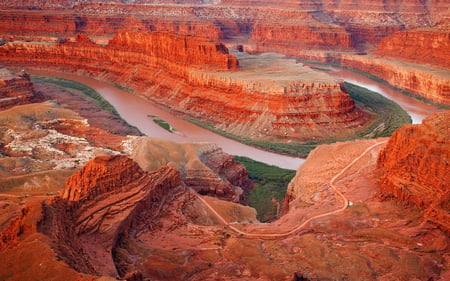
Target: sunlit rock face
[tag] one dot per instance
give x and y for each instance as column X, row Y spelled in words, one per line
column 414, row 167
column 265, row 97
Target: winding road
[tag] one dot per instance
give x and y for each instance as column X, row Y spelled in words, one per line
column 302, row 225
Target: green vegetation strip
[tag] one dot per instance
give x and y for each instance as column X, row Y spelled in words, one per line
column 295, row 149
column 320, row 68
column 163, row 124
column 73, row 85
column 86, row 90
column 388, row 117
column 269, row 193
column 376, row 79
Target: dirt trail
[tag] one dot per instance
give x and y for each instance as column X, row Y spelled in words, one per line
column 297, row 228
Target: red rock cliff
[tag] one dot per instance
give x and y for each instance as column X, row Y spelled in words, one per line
column 181, row 50
column 414, row 167
column 101, row 175
column 14, row 89
column 193, row 76
column 430, row 82
column 45, row 25
column 425, row 46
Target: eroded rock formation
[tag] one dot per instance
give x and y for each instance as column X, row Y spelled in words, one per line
column 104, row 199
column 203, row 167
column 14, row 89
column 414, row 167
column 193, row 76
column 425, row 45
column 41, row 142
column 430, row 82
column 154, row 227
column 101, row 175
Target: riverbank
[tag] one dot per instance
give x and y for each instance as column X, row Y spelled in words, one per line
column 374, row 78
column 387, row 116
column 135, row 110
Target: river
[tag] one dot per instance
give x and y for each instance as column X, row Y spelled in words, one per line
column 418, row 110
column 136, row 110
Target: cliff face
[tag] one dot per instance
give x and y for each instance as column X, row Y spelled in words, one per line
column 414, row 167
column 42, row 25
column 430, row 82
column 173, row 48
column 101, row 175
column 112, row 193
column 286, row 38
column 199, row 78
column 14, row 89
column 204, row 168
column 425, row 46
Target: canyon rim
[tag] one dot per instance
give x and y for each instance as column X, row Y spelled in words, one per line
column 86, row 196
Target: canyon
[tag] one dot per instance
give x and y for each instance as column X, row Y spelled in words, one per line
column 137, row 212
column 100, row 227
column 84, row 196
column 199, row 79
column 312, row 30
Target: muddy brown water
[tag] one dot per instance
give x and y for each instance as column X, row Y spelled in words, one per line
column 418, row 110
column 136, row 110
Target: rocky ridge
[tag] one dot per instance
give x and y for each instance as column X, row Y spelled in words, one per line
column 203, row 167
column 414, row 167
column 43, row 140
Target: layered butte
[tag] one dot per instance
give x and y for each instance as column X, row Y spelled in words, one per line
column 264, row 97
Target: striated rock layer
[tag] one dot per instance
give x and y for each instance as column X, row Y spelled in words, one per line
column 103, row 210
column 14, row 89
column 414, row 167
column 203, row 167
column 199, row 78
column 101, row 175
column 430, row 82
column 425, row 45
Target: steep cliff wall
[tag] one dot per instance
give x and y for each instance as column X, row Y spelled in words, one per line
column 430, row 82
column 424, row 46
column 14, row 89
column 286, row 38
column 44, row 25
column 193, row 76
column 414, row 167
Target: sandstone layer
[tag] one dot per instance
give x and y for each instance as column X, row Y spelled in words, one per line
column 414, row 167
column 424, row 45
column 43, row 141
column 195, row 77
column 305, row 29
column 133, row 224
column 430, row 82
column 203, row 167
column 14, row 89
